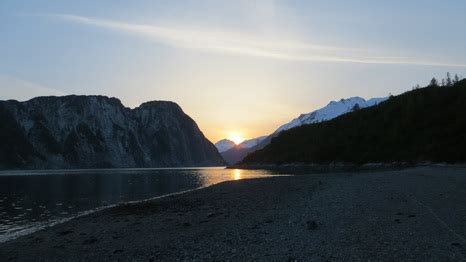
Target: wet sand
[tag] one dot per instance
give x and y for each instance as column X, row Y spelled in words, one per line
column 413, row 214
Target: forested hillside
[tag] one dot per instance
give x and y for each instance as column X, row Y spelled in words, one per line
column 425, row 124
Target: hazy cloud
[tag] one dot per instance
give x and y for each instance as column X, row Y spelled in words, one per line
column 22, row 90
column 240, row 44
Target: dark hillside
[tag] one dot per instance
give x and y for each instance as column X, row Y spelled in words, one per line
column 426, row 124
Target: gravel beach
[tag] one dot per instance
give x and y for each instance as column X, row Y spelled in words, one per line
column 413, row 214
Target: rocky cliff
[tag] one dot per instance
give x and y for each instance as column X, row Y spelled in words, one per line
column 98, row 132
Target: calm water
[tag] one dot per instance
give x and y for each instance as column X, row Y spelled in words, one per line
column 30, row 200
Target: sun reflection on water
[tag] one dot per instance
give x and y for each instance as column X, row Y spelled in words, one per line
column 101, row 187
column 237, row 174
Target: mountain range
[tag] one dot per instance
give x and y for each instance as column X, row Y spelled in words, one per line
column 419, row 126
column 99, row 132
column 233, row 154
column 226, row 144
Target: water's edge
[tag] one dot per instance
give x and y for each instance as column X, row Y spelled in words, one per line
column 45, row 225
column 6, row 172
column 7, row 237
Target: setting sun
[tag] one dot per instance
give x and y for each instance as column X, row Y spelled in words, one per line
column 237, row 139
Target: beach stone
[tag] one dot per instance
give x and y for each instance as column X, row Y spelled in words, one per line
column 90, row 241
column 311, row 225
column 66, row 232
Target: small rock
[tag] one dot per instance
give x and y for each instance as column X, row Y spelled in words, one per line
column 254, row 227
column 186, row 224
column 456, row 244
column 118, row 251
column 59, row 246
column 38, row 240
column 397, row 221
column 64, row 233
column 311, row 225
column 89, row 241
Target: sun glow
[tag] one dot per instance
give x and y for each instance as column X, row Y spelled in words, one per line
column 237, row 139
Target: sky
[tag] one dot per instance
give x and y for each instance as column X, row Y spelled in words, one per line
column 238, row 68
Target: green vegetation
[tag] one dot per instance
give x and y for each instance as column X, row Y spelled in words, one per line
column 425, row 124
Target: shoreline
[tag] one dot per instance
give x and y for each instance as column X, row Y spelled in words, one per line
column 103, row 170
column 47, row 225
column 51, row 224
column 299, row 168
column 332, row 216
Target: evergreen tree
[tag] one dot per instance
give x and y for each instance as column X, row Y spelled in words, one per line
column 433, row 82
column 448, row 80
column 456, row 79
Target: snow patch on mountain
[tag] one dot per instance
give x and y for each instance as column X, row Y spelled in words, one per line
column 252, row 142
column 330, row 111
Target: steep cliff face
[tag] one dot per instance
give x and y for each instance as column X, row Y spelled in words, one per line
column 97, row 131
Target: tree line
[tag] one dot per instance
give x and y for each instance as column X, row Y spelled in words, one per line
column 422, row 125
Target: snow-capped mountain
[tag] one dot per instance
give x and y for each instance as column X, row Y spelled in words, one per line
column 252, row 142
column 330, row 111
column 224, row 145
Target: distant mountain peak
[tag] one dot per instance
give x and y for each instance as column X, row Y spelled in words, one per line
column 330, row 111
column 224, row 145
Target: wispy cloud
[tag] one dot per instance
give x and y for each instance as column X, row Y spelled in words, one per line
column 20, row 89
column 246, row 45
